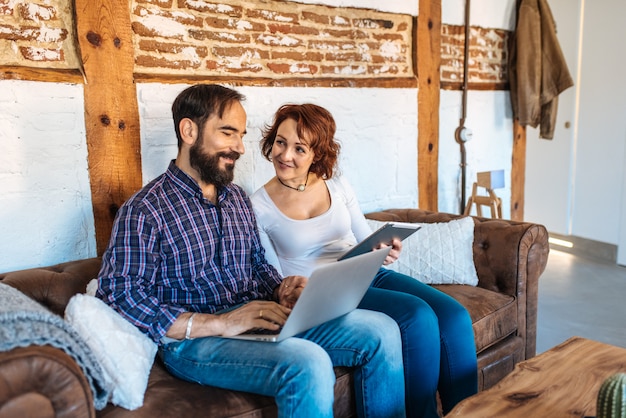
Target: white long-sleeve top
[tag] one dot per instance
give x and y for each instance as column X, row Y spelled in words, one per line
column 297, row 247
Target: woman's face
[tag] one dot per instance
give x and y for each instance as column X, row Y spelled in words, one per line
column 292, row 157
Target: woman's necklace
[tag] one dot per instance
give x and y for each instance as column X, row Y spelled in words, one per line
column 300, row 187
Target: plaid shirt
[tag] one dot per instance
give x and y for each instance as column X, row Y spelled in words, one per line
column 173, row 251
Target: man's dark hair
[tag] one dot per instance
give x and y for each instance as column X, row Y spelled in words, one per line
column 201, row 101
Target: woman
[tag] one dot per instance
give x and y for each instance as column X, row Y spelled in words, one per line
column 307, row 216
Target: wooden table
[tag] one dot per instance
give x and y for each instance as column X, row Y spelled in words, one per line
column 561, row 382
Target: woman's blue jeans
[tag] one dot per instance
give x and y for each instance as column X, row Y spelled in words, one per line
column 298, row 372
column 437, row 341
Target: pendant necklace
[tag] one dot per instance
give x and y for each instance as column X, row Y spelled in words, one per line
column 300, row 187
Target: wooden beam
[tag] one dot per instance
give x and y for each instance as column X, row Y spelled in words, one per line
column 518, row 171
column 428, row 63
column 111, row 112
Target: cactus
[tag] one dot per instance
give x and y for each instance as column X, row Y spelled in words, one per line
column 612, row 397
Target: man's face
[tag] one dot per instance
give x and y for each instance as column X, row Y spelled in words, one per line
column 219, row 145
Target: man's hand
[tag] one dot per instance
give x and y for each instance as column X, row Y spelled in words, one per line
column 256, row 314
column 290, row 289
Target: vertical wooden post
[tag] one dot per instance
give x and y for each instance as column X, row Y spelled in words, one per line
column 111, row 113
column 518, row 158
column 428, row 63
column 518, row 171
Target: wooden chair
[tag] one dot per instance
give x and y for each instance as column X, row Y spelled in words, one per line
column 488, row 180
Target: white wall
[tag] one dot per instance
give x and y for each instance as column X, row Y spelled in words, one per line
column 45, row 200
column 376, row 128
column 575, row 182
column 45, row 205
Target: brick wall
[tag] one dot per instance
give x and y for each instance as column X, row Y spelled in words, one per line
column 253, row 39
column 273, row 39
column 488, row 49
column 37, row 34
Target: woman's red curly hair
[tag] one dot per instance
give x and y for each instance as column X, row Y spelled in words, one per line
column 315, row 126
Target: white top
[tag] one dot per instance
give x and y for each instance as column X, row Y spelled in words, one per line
column 297, row 247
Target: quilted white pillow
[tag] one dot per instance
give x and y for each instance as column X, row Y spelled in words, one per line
column 439, row 253
column 125, row 353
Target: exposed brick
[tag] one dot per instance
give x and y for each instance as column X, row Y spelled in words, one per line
column 150, row 61
column 346, row 70
column 142, row 30
column 340, row 21
column 205, row 35
column 258, row 54
column 163, row 3
column 317, row 18
column 332, row 45
column 235, row 24
column 6, row 7
column 34, row 34
column 387, row 37
column 384, row 69
column 272, row 15
column 177, row 16
column 347, row 56
column 377, row 59
column 172, row 48
column 277, row 40
column 239, row 68
column 298, row 68
column 297, row 29
column 372, row 23
column 36, row 12
column 345, row 33
column 33, row 53
column 207, row 7
column 307, row 56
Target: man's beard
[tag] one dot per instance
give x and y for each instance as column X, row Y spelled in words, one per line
column 208, row 166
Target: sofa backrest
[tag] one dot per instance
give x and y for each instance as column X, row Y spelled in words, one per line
column 54, row 286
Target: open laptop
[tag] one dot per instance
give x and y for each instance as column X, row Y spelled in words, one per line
column 333, row 290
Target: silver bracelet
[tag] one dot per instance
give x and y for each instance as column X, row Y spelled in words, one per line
column 189, row 325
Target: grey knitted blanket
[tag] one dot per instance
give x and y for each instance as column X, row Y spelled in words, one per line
column 24, row 322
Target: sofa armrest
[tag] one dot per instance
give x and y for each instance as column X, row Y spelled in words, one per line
column 509, row 257
column 43, row 381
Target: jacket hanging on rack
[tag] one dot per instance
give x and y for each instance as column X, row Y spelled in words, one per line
column 538, row 72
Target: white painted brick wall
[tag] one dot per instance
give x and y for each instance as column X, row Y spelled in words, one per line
column 376, row 127
column 45, row 200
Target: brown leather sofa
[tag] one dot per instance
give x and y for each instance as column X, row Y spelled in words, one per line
column 509, row 257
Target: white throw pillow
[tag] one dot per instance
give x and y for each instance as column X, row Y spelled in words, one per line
column 439, row 253
column 125, row 353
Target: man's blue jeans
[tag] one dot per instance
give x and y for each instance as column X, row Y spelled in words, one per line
column 298, row 372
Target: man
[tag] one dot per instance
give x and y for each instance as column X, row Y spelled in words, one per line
column 185, row 265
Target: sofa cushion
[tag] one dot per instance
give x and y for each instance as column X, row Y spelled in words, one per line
column 494, row 315
column 439, row 253
column 164, row 399
column 124, row 352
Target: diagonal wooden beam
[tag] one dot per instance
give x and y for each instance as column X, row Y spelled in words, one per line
column 428, row 97
column 111, row 113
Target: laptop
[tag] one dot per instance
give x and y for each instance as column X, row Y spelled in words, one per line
column 333, row 290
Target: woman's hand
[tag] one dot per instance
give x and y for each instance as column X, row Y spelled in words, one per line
column 394, row 254
column 290, row 289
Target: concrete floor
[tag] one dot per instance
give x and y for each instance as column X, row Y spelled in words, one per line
column 583, row 297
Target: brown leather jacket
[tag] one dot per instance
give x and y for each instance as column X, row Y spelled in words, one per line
column 538, row 72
